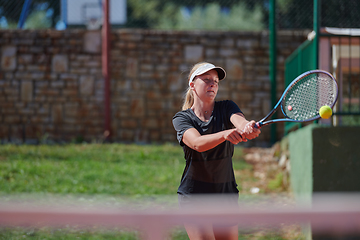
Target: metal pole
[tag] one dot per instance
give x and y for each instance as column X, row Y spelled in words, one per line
column 272, row 27
column 24, row 13
column 106, row 68
column 316, row 26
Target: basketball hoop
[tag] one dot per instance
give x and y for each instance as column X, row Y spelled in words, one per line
column 93, row 23
column 75, row 13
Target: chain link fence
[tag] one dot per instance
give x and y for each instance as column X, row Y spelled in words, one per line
column 224, row 15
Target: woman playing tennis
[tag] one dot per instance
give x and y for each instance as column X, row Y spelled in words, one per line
column 207, row 130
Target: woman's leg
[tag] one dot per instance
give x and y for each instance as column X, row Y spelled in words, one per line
column 229, row 232
column 195, row 232
column 226, row 233
column 199, row 233
column 210, row 233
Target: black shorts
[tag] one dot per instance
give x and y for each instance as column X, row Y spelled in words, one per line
column 188, row 200
column 194, row 201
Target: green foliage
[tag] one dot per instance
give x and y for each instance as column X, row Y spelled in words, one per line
column 10, row 25
column 350, row 120
column 211, row 17
column 163, row 13
column 277, row 182
column 282, row 5
column 11, row 10
column 38, row 20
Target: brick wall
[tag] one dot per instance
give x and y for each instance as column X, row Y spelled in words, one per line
column 51, row 84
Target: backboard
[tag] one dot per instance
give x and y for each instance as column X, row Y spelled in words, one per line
column 89, row 12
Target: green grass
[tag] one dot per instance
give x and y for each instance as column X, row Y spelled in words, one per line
column 66, row 233
column 113, row 169
column 118, row 170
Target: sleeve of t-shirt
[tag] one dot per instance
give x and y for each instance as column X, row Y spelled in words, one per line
column 232, row 108
column 181, row 123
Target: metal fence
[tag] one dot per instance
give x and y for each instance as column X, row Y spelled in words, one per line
column 177, row 14
column 340, row 54
column 332, row 46
column 301, row 60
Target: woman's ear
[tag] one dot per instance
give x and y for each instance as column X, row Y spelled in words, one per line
column 192, row 84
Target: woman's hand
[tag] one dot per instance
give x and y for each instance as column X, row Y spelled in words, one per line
column 234, row 136
column 250, row 131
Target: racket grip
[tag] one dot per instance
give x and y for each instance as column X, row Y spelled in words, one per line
column 257, row 125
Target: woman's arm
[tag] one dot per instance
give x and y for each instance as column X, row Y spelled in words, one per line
column 201, row 143
column 239, row 120
column 248, row 127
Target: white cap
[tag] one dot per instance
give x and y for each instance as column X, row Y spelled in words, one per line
column 205, row 68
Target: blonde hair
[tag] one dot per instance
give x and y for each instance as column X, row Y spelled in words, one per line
column 189, row 96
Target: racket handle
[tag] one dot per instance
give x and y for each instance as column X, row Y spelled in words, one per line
column 258, row 125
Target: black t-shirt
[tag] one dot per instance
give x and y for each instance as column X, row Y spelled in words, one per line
column 210, row 171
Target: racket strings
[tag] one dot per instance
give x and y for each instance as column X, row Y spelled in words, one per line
column 303, row 100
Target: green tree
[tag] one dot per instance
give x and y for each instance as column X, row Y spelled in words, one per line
column 147, row 13
column 294, row 14
column 38, row 20
column 11, row 10
column 166, row 14
column 211, row 17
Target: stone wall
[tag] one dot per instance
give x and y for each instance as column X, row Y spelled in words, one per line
column 51, row 85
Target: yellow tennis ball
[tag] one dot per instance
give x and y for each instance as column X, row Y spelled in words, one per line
column 325, row 112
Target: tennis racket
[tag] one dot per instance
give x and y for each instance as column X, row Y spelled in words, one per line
column 303, row 98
